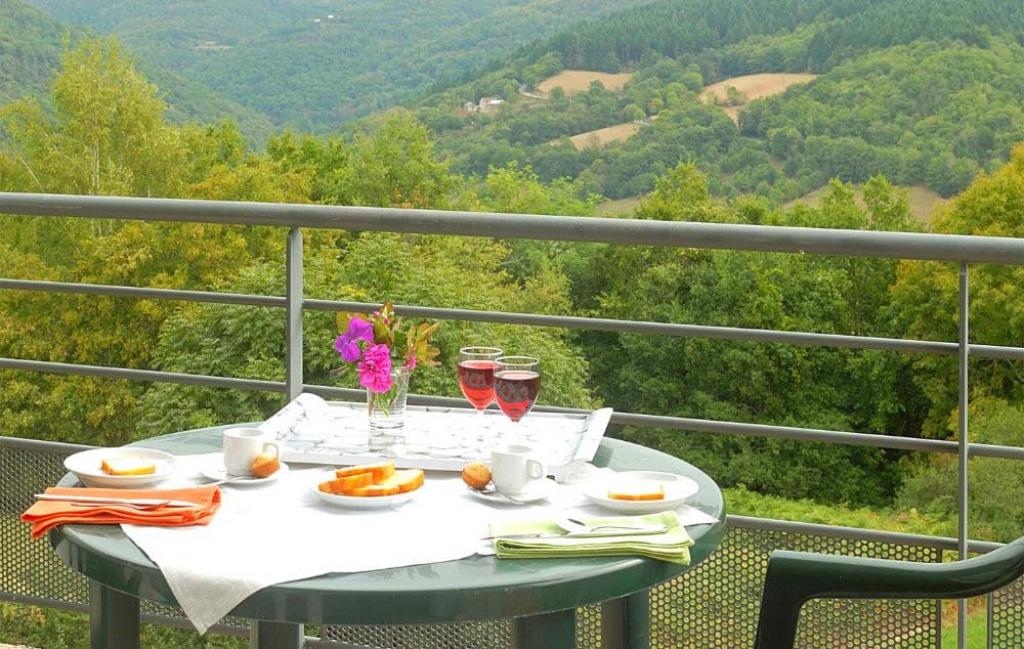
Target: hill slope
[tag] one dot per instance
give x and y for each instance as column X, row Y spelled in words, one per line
column 30, row 51
column 923, row 92
column 314, row 65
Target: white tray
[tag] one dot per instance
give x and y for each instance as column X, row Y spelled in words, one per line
column 311, row 430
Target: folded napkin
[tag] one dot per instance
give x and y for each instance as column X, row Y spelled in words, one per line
column 672, row 545
column 47, row 514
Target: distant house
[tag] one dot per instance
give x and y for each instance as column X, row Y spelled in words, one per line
column 488, row 104
column 485, row 105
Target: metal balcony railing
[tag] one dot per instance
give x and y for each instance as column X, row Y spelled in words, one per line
column 715, row 611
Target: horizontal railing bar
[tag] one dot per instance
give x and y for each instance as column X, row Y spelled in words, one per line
column 140, row 375
column 856, row 533
column 619, row 418
column 142, row 293
column 532, row 319
column 679, row 330
column 43, row 445
column 762, row 238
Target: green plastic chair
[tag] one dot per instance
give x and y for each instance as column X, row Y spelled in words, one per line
column 796, row 577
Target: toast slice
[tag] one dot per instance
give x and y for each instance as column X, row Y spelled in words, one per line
column 381, row 471
column 347, row 483
column 373, row 490
column 639, row 491
column 127, row 466
column 406, row 480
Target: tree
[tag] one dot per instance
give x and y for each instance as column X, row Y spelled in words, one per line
column 927, row 295
column 757, row 382
column 106, row 135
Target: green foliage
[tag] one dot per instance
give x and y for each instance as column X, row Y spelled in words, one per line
column 996, row 486
column 744, row 502
column 758, row 382
column 927, row 293
column 29, row 48
column 56, row 629
column 902, row 113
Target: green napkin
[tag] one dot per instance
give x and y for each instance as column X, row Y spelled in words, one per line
column 672, row 545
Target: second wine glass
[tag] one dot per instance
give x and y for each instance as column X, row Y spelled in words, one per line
column 516, row 385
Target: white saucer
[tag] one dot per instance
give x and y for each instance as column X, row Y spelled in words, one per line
column 677, row 489
column 217, row 472
column 537, row 490
column 86, row 465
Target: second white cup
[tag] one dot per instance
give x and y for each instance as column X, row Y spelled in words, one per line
column 241, row 446
column 513, row 468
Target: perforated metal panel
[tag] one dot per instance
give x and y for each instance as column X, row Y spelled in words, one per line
column 470, row 635
column 588, row 627
column 1008, row 617
column 717, row 604
column 31, row 568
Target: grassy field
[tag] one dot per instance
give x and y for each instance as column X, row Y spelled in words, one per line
column 753, row 86
column 923, row 201
column 603, row 136
column 577, row 81
column 619, row 206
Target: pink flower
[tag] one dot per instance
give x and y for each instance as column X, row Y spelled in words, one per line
column 375, row 368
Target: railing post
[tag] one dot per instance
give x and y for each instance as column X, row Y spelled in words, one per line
column 293, row 310
column 962, row 455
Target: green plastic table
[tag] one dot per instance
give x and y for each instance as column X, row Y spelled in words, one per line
column 541, row 595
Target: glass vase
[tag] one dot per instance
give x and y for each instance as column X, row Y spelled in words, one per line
column 386, row 411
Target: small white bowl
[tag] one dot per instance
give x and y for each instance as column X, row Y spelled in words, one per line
column 677, row 489
column 87, row 466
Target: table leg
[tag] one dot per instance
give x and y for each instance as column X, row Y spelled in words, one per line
column 276, row 635
column 626, row 622
column 113, row 618
column 545, row 631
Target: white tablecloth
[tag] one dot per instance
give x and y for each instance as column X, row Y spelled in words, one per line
column 277, row 532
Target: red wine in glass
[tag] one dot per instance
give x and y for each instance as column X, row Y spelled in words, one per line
column 476, row 378
column 516, row 385
column 476, row 375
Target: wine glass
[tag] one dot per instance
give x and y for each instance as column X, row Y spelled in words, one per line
column 516, row 385
column 476, row 375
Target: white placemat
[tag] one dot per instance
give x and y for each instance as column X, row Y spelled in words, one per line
column 269, row 534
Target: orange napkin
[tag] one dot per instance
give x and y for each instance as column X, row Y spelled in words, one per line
column 47, row 514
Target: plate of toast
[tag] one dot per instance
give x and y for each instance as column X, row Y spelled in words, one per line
column 640, row 492
column 127, row 467
column 368, row 486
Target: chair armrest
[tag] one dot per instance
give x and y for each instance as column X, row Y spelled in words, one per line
column 795, row 577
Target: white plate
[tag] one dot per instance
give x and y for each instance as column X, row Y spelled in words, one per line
column 538, row 490
column 215, row 471
column 677, row 489
column 86, row 465
column 359, row 502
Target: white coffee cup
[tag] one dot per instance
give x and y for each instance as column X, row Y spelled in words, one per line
column 241, row 446
column 512, row 468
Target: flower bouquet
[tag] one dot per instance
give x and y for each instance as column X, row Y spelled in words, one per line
column 385, row 351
